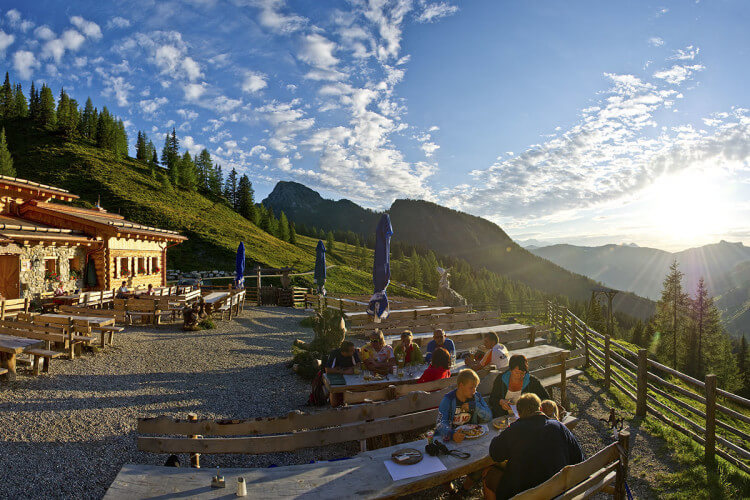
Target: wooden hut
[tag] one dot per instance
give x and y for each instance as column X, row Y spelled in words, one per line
column 43, row 242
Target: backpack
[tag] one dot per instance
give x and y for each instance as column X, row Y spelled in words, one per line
column 319, row 393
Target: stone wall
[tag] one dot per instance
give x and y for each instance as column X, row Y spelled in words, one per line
column 32, row 268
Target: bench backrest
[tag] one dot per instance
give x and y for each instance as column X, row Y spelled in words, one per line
column 87, row 311
column 588, row 477
column 13, row 306
column 50, row 333
column 295, row 431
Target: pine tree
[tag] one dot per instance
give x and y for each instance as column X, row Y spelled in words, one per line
column 700, row 313
column 671, row 310
column 742, row 365
column 19, row 102
column 283, row 227
column 263, row 221
column 216, row 182
column 292, row 234
column 170, row 157
column 204, row 167
column 594, row 316
column 47, row 116
column 648, row 335
column 245, row 202
column 33, row 103
column 6, row 161
column 140, row 147
column 88, row 121
column 154, row 162
column 63, row 111
column 637, row 337
column 105, row 131
column 188, row 177
column 7, row 108
column 329, row 242
column 230, row 190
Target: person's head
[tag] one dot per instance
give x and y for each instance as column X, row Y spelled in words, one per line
column 518, row 366
column 439, row 336
column 490, row 339
column 406, row 338
column 466, row 383
column 150, row 286
column 124, row 283
column 377, row 340
column 441, row 358
column 347, row 348
column 528, row 405
column 550, row 409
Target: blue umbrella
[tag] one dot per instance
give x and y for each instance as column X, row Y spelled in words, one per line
column 320, row 266
column 239, row 270
column 381, row 268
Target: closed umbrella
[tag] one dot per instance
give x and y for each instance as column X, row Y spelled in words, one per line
column 90, row 280
column 381, row 269
column 320, row 267
column 239, row 270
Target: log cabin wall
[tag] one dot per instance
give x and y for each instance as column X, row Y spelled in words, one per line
column 143, row 260
column 33, row 262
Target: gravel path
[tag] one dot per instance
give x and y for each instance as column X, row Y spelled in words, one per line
column 66, row 434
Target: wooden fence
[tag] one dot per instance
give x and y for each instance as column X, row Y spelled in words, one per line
column 643, row 380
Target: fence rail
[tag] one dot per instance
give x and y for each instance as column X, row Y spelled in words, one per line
column 682, row 407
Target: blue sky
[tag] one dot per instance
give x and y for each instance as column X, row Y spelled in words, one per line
column 583, row 122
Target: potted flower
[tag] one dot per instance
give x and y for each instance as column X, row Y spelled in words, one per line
column 51, row 276
column 125, row 273
column 75, row 274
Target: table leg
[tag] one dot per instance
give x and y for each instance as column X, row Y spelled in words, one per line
column 8, row 360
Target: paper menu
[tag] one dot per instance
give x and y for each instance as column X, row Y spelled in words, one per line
column 428, row 465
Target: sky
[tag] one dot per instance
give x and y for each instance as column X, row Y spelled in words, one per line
column 584, row 122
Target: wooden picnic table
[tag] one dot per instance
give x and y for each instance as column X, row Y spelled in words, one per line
column 424, row 338
column 214, row 297
column 362, row 476
column 399, row 312
column 358, row 383
column 95, row 321
column 10, row 346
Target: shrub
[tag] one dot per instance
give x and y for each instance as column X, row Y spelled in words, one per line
column 207, row 324
column 308, row 322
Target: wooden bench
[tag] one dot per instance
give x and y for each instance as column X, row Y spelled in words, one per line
column 41, row 357
column 606, row 471
column 38, row 356
column 77, row 336
column 9, row 308
column 146, row 310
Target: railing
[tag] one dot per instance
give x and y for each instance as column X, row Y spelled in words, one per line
column 677, row 405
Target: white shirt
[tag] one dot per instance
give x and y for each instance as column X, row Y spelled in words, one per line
column 497, row 356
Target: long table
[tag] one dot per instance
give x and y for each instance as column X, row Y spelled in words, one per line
column 466, row 333
column 358, row 383
column 10, row 346
column 362, row 476
column 101, row 324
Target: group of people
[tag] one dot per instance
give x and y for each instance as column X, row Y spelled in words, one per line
column 124, row 292
column 527, row 453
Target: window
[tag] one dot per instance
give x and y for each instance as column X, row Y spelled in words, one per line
column 142, row 265
column 155, row 265
column 75, row 268
column 50, row 269
column 124, row 268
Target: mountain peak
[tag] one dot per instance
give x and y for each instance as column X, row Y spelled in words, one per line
column 293, row 195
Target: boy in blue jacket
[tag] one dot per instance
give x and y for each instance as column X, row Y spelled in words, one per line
column 464, row 405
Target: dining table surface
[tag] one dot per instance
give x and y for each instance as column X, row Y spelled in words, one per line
column 214, row 297
column 94, row 320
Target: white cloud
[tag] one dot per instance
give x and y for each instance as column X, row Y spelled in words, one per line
column 655, row 41
column 189, row 143
column 150, row 106
column 677, row 73
column 115, row 86
column 187, row 114
column 118, row 22
column 433, row 11
column 72, row 40
column 44, row 33
column 53, row 49
column 271, row 17
column 14, row 17
column 317, row 51
column 5, row 41
column 89, row 28
column 254, row 82
column 434, row 128
column 193, row 91
column 256, row 150
column 224, row 104
column 687, row 54
column 192, row 69
column 24, row 63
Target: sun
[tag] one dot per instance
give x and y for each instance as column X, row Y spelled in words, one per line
column 689, row 207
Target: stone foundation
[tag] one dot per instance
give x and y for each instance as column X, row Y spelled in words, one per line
column 32, row 268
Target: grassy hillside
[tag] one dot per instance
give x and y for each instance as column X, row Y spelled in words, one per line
column 127, row 187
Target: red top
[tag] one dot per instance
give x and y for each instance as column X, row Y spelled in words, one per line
column 434, row 373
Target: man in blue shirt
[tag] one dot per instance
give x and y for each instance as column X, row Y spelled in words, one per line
column 535, row 449
column 439, row 340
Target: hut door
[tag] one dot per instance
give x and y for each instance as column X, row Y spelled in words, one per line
column 9, row 267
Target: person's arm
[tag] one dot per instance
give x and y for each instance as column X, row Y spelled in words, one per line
column 444, row 428
column 575, row 454
column 482, row 410
column 416, row 355
column 500, row 448
column 485, row 359
column 430, row 348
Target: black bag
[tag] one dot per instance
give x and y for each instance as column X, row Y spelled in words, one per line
column 319, row 394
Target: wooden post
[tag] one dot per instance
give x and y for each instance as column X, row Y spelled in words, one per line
column 710, row 418
column 563, row 379
column 585, row 334
column 258, row 285
column 622, row 470
column 195, row 458
column 607, row 365
column 532, row 336
column 642, row 383
column 574, row 331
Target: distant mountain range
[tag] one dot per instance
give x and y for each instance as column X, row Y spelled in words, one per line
column 725, row 267
column 447, row 232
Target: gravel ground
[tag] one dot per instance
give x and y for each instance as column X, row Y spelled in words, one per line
column 66, row 434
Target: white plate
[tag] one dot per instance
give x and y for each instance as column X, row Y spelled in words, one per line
column 470, row 426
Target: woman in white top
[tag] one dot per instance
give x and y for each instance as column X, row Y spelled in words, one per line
column 509, row 386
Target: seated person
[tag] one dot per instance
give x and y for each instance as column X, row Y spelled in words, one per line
column 439, row 340
column 341, row 360
column 509, row 386
column 478, row 355
column 535, row 448
column 550, row 409
column 149, row 290
column 379, row 357
column 439, row 367
column 60, row 290
column 497, row 354
column 122, row 292
column 463, row 405
column 408, row 350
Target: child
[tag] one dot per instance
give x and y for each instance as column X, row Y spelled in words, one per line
column 464, row 405
column 550, row 409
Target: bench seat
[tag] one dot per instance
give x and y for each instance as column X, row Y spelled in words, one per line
column 41, row 356
column 554, row 380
